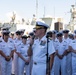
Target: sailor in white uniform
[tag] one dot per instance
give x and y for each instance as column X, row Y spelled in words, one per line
column 17, row 42
column 55, row 40
column 6, row 51
column 22, row 31
column 68, row 58
column 39, row 50
column 72, row 47
column 12, row 35
column 24, row 59
column 31, row 36
column 60, row 58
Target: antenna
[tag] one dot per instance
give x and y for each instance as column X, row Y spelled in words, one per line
column 54, row 12
column 75, row 3
column 44, row 12
column 37, row 8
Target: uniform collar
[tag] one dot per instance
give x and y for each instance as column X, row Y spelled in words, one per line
column 43, row 38
column 18, row 39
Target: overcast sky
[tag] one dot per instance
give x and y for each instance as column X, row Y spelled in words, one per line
column 26, row 8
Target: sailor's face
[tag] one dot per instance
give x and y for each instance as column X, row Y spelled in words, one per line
column 18, row 35
column 38, row 32
column 24, row 40
column 60, row 37
column 65, row 34
column 6, row 36
column 53, row 35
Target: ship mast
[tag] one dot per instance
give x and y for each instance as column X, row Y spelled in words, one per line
column 44, row 12
column 37, row 8
column 72, row 23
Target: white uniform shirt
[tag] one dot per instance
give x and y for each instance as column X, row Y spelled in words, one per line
column 68, row 40
column 40, row 49
column 7, row 47
column 73, row 45
column 55, row 43
column 61, row 47
column 17, row 42
column 22, row 49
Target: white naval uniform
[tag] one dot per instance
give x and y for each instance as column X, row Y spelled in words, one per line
column 0, row 55
column 31, row 58
column 6, row 47
column 68, row 59
column 15, row 60
column 39, row 55
column 60, row 64
column 73, row 45
column 22, row 49
column 55, row 46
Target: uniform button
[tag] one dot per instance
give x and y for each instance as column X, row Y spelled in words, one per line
column 35, row 63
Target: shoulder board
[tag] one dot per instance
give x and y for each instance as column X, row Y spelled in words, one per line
column 0, row 40
column 56, row 41
column 73, row 41
column 14, row 39
column 64, row 45
column 11, row 41
column 19, row 44
column 22, row 47
column 64, row 41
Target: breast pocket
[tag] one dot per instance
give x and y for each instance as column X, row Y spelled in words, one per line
column 74, row 43
column 64, row 46
column 57, row 47
column 10, row 47
column 34, row 45
column 3, row 48
column 43, row 49
column 22, row 51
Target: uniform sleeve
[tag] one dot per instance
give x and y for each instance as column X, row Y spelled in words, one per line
column 56, row 45
column 0, row 47
column 51, row 48
column 66, row 45
column 70, row 44
column 13, row 47
column 18, row 49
